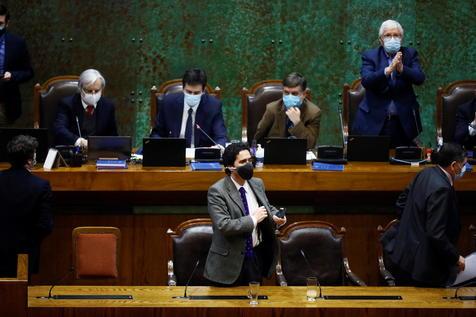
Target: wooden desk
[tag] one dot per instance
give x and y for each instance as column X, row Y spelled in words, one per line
column 358, row 176
column 283, row 301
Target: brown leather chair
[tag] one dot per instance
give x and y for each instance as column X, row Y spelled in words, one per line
column 352, row 96
column 189, row 242
column 95, row 252
column 323, row 246
column 46, row 97
column 448, row 99
column 170, row 87
column 385, row 275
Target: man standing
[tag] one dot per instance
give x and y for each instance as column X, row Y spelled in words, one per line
column 388, row 75
column 244, row 246
column 180, row 113
column 292, row 115
column 25, row 213
column 421, row 250
column 15, row 69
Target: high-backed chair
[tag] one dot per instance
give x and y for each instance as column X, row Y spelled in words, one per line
column 46, row 97
column 323, row 246
column 14, row 290
column 385, row 275
column 95, row 252
column 170, row 87
column 189, row 243
column 447, row 101
column 352, row 96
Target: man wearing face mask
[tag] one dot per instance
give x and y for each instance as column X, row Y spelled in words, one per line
column 421, row 250
column 292, row 115
column 388, row 75
column 244, row 246
column 15, row 69
column 85, row 113
column 25, row 214
column 180, row 113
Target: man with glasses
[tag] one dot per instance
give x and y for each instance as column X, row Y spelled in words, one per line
column 85, row 113
column 292, row 115
column 388, row 74
column 421, row 250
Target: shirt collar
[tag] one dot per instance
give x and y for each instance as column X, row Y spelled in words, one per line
column 86, row 105
column 238, row 186
column 447, row 175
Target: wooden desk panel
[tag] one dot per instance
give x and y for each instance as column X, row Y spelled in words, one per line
column 283, row 301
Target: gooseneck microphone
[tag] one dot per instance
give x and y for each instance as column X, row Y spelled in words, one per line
column 189, row 279
column 77, row 126
column 313, row 272
column 62, row 278
column 204, row 133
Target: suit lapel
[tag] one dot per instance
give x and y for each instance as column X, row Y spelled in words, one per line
column 8, row 47
column 177, row 108
column 99, row 112
column 258, row 193
column 281, row 120
column 200, row 119
column 234, row 194
column 78, row 110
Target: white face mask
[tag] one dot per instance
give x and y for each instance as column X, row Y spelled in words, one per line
column 192, row 100
column 91, row 99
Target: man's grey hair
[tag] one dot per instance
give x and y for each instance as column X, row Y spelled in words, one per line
column 389, row 24
column 89, row 76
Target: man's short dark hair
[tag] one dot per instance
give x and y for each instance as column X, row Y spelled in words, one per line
column 449, row 153
column 4, row 12
column 295, row 79
column 21, row 149
column 231, row 152
column 195, row 76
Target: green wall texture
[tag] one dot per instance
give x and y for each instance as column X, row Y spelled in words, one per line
column 138, row 44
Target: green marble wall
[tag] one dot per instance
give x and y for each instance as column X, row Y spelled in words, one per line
column 137, row 44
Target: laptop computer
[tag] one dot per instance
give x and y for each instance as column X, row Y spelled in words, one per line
column 41, row 135
column 368, row 148
column 285, row 151
column 119, row 147
column 163, row 152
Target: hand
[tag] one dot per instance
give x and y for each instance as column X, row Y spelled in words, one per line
column 83, row 143
column 279, row 221
column 294, row 114
column 460, row 263
column 399, row 62
column 260, row 214
column 7, row 76
column 474, row 120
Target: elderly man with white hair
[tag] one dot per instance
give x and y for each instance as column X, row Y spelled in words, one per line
column 388, row 75
column 85, row 113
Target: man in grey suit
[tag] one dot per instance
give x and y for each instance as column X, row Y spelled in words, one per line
column 244, row 246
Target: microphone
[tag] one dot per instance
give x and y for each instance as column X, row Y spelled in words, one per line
column 213, row 141
column 188, row 282
column 77, row 125
column 313, row 272
column 62, row 278
column 455, row 296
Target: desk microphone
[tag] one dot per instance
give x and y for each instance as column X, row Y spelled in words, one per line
column 62, row 278
column 455, row 296
column 313, row 272
column 188, row 282
column 77, row 125
column 201, row 130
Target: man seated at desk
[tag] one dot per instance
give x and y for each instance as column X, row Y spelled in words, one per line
column 292, row 115
column 181, row 112
column 465, row 131
column 85, row 113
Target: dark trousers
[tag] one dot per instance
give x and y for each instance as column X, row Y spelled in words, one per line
column 393, row 128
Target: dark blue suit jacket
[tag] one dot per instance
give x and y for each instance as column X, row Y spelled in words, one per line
column 65, row 127
column 380, row 91
column 17, row 62
column 209, row 117
column 25, row 216
column 464, row 116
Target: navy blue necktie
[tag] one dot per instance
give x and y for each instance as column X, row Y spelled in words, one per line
column 189, row 127
column 249, row 240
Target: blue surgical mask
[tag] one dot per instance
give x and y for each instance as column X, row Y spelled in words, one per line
column 192, row 100
column 461, row 174
column 392, row 45
column 291, row 101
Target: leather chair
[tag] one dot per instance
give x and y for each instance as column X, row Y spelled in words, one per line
column 95, row 252
column 170, row 87
column 189, row 242
column 323, row 246
column 448, row 99
column 385, row 275
column 352, row 96
column 46, row 97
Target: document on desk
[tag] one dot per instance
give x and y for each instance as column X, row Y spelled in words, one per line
column 469, row 272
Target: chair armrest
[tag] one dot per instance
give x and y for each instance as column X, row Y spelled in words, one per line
column 171, row 278
column 280, row 277
column 386, row 275
column 353, row 278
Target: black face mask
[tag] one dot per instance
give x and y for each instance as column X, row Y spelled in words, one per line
column 245, row 171
column 3, row 31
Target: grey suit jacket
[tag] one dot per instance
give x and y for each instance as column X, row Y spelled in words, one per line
column 231, row 228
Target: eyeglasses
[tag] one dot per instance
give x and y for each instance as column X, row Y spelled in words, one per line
column 392, row 36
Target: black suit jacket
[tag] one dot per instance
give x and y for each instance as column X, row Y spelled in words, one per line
column 17, row 62
column 424, row 243
column 464, row 116
column 25, row 216
column 65, row 126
